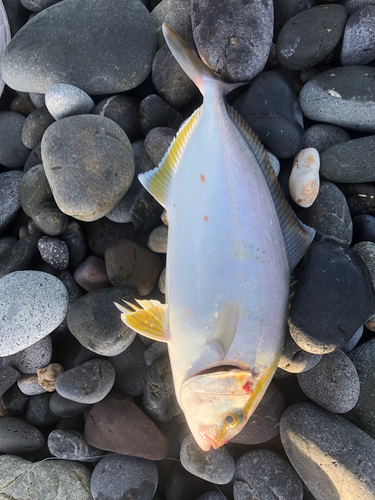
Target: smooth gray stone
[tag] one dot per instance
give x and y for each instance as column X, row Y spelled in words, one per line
column 215, row 466
column 20, row 255
column 70, row 445
column 13, row 153
column 6, row 244
column 64, row 100
column 333, row 383
column 49, row 480
column 108, row 47
column 38, row 5
column 118, row 477
column 343, row 96
column 35, row 125
column 89, row 165
column 235, row 37
column 294, row 359
column 65, row 407
column 349, row 161
column 34, row 304
column 322, row 136
column 49, row 219
column 87, row 383
column 177, row 14
column 265, row 475
column 158, row 239
column 358, row 45
column 334, row 458
column 131, row 369
column 37, row 99
column 19, row 437
column 155, row 112
column 76, row 241
column 123, row 110
column 157, row 142
column 9, row 197
column 38, row 412
column 34, row 189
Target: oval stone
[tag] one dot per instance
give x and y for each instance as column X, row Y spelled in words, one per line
column 304, row 178
column 32, row 305
column 358, row 45
column 89, row 165
column 100, row 46
column 342, row 96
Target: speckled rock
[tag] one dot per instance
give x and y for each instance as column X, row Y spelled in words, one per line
column 157, row 143
column 321, row 447
column 64, row 100
column 19, row 437
column 35, row 304
column 13, row 153
column 322, row 136
column 96, row 64
column 358, row 46
column 125, row 477
column 54, row 251
column 215, row 466
column 70, row 445
column 342, row 96
column 233, row 37
column 264, row 474
column 9, row 197
column 36, row 356
column 89, row 165
column 177, row 14
column 34, row 189
column 35, row 125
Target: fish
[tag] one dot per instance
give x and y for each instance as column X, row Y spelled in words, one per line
column 232, row 243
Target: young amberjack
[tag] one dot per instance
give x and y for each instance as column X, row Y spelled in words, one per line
column 232, row 243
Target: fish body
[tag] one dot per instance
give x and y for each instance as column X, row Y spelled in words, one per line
column 232, row 242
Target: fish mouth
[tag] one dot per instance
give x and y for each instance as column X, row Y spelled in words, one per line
column 207, row 440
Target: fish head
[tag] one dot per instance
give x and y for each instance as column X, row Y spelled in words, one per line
column 217, row 405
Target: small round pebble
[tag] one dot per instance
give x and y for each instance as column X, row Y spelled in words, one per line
column 29, row 385
column 19, row 437
column 264, row 474
column 322, row 136
column 158, row 239
column 76, row 241
column 64, row 100
column 70, row 445
column 91, row 274
column 155, row 112
column 54, row 251
column 47, row 376
column 49, row 219
column 35, row 125
column 304, row 178
column 157, row 142
column 87, row 383
column 119, row 477
column 161, row 282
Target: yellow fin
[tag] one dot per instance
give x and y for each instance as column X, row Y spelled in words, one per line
column 158, row 181
column 149, row 320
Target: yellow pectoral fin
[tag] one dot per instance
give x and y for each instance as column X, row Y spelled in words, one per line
column 149, row 320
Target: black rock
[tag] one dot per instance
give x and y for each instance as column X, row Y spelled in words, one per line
column 9, row 197
column 49, row 218
column 66, row 407
column 19, row 437
column 155, row 112
column 34, row 357
column 20, row 255
column 35, row 125
column 271, row 108
column 286, row 9
column 131, row 369
column 34, row 189
column 14, row 400
column 322, row 136
column 352, row 5
column 364, row 228
column 358, row 45
column 54, row 251
column 154, row 351
column 38, row 412
column 310, row 36
column 360, row 198
column 74, row 293
column 8, row 377
column 22, row 104
column 157, row 142
column 34, row 158
column 333, row 298
column 13, row 153
column 103, row 232
column 17, row 15
column 76, row 241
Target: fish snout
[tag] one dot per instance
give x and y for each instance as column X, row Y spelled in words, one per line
column 208, row 437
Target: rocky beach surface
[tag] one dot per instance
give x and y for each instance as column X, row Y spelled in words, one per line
column 92, row 98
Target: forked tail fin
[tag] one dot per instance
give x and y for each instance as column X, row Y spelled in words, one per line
column 192, row 65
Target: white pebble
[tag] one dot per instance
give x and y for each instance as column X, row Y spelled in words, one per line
column 64, row 100
column 304, row 178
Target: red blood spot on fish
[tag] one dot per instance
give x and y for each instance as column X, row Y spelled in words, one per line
column 205, row 218
column 203, row 178
column 247, row 387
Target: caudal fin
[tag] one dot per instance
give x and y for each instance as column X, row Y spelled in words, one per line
column 192, row 65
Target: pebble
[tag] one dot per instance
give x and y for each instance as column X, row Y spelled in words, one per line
column 117, row 60
column 34, row 189
column 157, row 142
column 131, row 369
column 333, row 298
column 215, row 466
column 35, row 125
column 116, row 424
column 286, row 9
column 37, row 99
column 89, row 165
column 364, row 228
column 329, row 216
column 161, row 282
column 234, row 39
column 47, row 376
column 342, row 96
column 29, row 360
column 322, row 136
column 49, row 218
column 19, row 437
column 333, row 383
column 14, row 400
column 310, row 36
column 264, row 474
column 358, row 46
column 66, row 407
column 131, row 265
column 29, row 385
column 155, row 350
column 87, row 383
column 155, row 112
column 360, row 198
column 159, row 398
column 70, row 445
column 271, row 108
column 123, row 110
column 294, row 359
column 76, row 241
column 304, row 178
column 91, row 274
column 64, row 100
column 157, row 241
column 263, row 424
column 22, row 104
column 363, row 413
column 177, row 14
column 54, row 251
column 119, row 477
column 20, row 255
column 9, row 197
column 38, row 412
column 49, row 480
column 349, row 161
column 35, row 304
column 96, row 322
column 13, row 153
column 34, row 158
column 331, row 455
column 170, row 80
column 8, row 376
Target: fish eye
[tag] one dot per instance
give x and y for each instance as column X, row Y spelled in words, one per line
column 233, row 419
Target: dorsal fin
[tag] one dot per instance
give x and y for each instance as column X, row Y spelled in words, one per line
column 297, row 235
column 158, row 181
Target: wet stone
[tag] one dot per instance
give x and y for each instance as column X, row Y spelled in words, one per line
column 91, row 274
column 322, row 136
column 294, row 359
column 19, row 437
column 70, row 445
column 54, row 251
column 35, row 125
column 264, row 474
column 131, row 369
column 65, row 407
column 64, row 100
column 34, row 189
column 87, row 383
column 119, row 477
column 9, row 197
column 76, row 241
column 358, row 46
column 155, row 112
column 13, row 153
column 215, row 466
column 177, row 14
